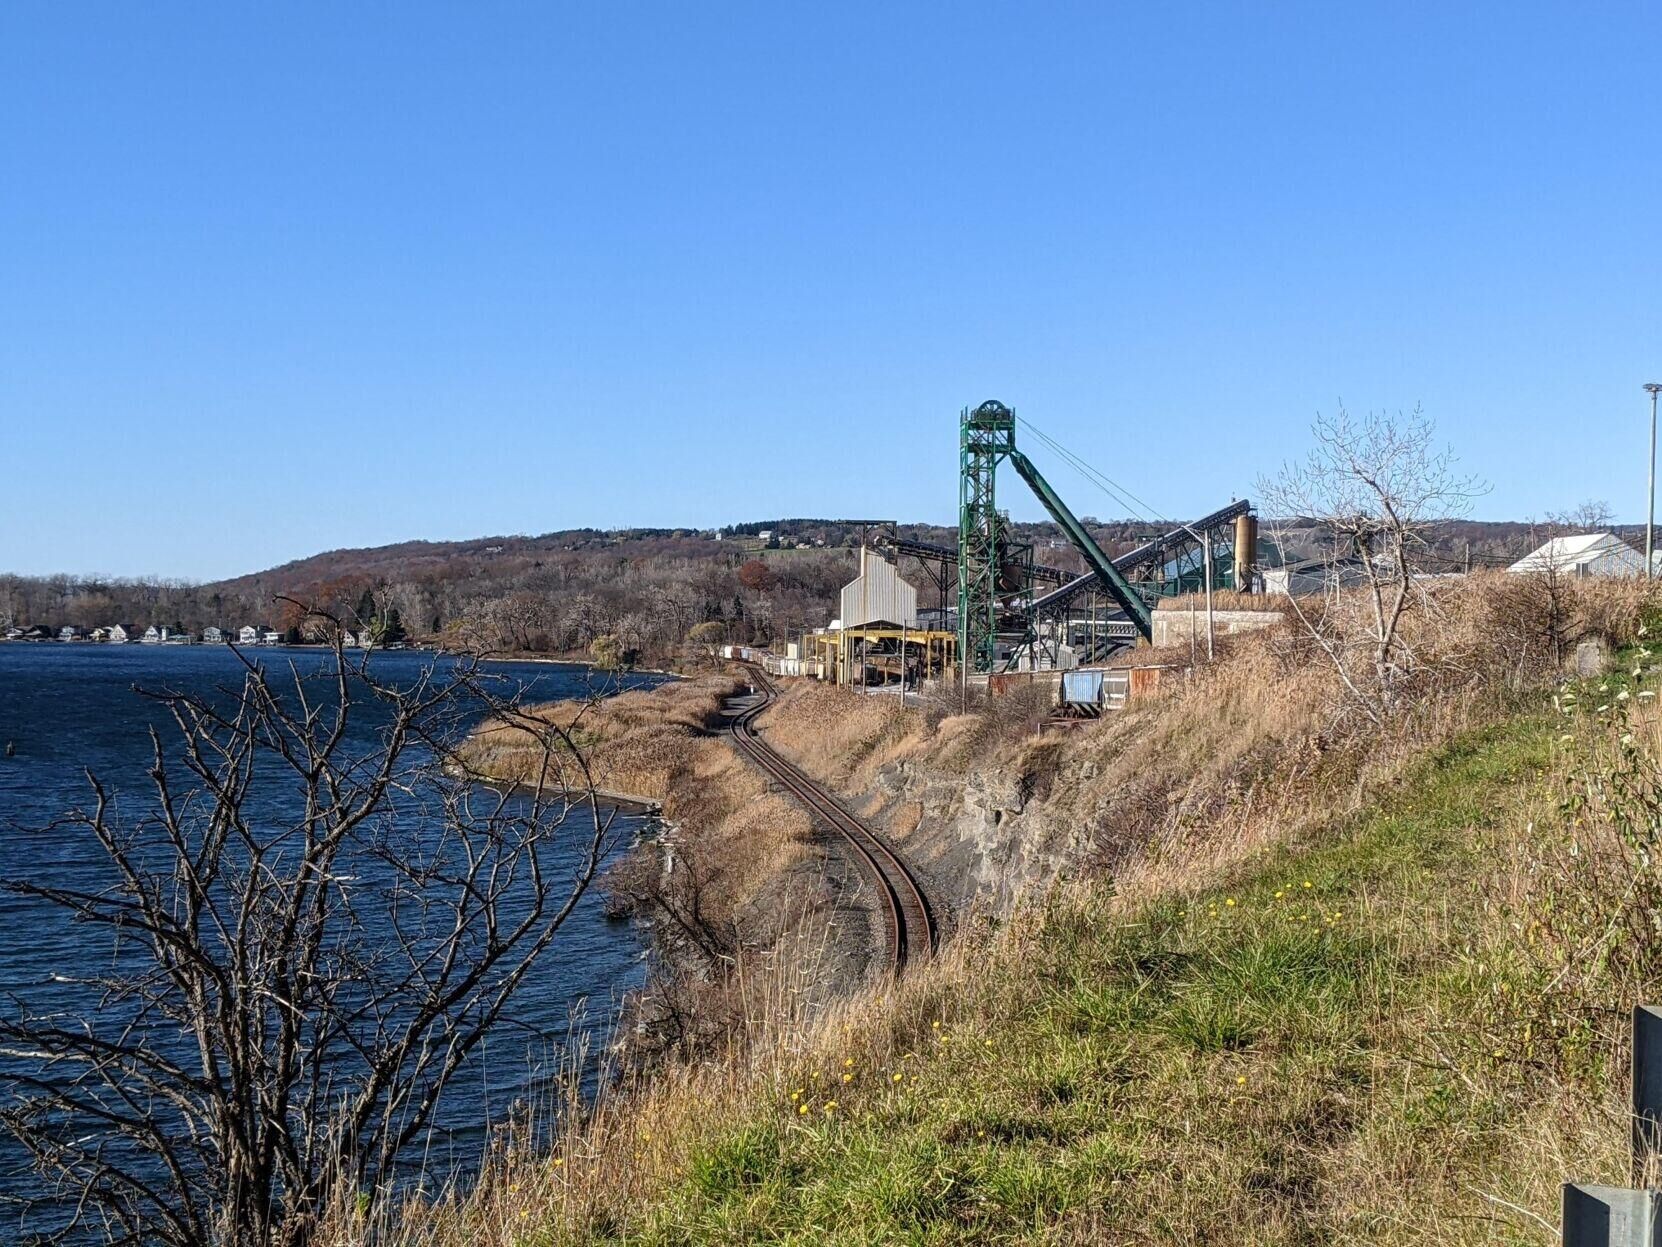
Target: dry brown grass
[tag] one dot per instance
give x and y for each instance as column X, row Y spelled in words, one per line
column 1222, row 600
column 838, row 734
column 632, row 744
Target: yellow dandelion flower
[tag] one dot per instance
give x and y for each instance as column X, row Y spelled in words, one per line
column 849, row 1062
column 1241, row 1081
column 1230, row 902
column 830, row 1106
column 936, row 1024
column 987, row 1042
column 1308, row 884
column 801, row 1110
column 848, row 1077
column 898, row 1077
column 558, row 1161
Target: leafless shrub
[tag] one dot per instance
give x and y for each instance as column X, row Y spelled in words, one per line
column 290, row 997
column 1376, row 486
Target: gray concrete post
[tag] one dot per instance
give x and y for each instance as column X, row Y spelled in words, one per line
column 1610, row 1216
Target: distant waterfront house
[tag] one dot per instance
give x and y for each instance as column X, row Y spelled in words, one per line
column 213, row 636
column 270, row 636
column 248, row 634
column 40, row 632
column 14, row 633
column 99, row 634
column 349, row 640
column 120, row 634
column 152, row 636
column 69, row 632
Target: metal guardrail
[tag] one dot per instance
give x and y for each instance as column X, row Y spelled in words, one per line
column 1627, row 1216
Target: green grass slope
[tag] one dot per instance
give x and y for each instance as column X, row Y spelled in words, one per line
column 1319, row 1050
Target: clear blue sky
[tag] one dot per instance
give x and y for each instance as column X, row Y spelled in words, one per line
column 282, row 278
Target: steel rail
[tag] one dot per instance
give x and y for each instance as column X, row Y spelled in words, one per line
column 911, row 923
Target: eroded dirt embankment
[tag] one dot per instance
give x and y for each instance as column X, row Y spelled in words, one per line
column 748, row 907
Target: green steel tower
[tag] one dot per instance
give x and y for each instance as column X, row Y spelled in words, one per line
column 985, row 436
column 995, row 574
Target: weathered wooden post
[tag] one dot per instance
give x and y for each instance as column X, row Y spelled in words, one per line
column 1619, row 1216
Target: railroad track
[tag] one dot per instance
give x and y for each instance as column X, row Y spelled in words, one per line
column 911, row 924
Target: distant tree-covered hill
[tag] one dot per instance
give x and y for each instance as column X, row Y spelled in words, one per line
column 645, row 588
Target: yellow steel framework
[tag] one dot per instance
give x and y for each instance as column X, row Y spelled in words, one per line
column 848, row 654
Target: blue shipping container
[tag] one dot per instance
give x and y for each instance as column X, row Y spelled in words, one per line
column 1082, row 688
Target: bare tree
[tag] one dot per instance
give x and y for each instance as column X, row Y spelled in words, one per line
column 289, row 997
column 1375, row 486
column 1595, row 515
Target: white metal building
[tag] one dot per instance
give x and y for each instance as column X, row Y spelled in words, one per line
column 1584, row 554
column 878, row 595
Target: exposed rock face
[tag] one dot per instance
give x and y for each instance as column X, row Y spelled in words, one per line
column 979, row 840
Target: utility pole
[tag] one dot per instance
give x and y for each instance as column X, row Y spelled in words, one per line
column 1652, row 388
column 1208, row 541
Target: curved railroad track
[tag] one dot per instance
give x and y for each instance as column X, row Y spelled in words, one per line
column 911, row 924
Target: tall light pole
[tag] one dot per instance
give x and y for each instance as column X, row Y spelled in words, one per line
column 1204, row 540
column 1652, row 388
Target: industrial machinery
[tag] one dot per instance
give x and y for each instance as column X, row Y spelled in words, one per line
column 1002, row 616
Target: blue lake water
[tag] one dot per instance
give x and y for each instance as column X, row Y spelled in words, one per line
column 67, row 708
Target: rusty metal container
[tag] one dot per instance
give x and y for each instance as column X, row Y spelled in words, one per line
column 1144, row 680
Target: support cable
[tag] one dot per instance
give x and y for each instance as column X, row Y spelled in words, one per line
column 1119, row 493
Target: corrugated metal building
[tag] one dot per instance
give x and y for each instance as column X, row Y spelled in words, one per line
column 878, row 595
column 1583, row 554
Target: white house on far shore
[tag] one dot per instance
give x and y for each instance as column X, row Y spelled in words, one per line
column 1583, row 554
column 248, row 634
column 121, row 633
column 212, row 635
